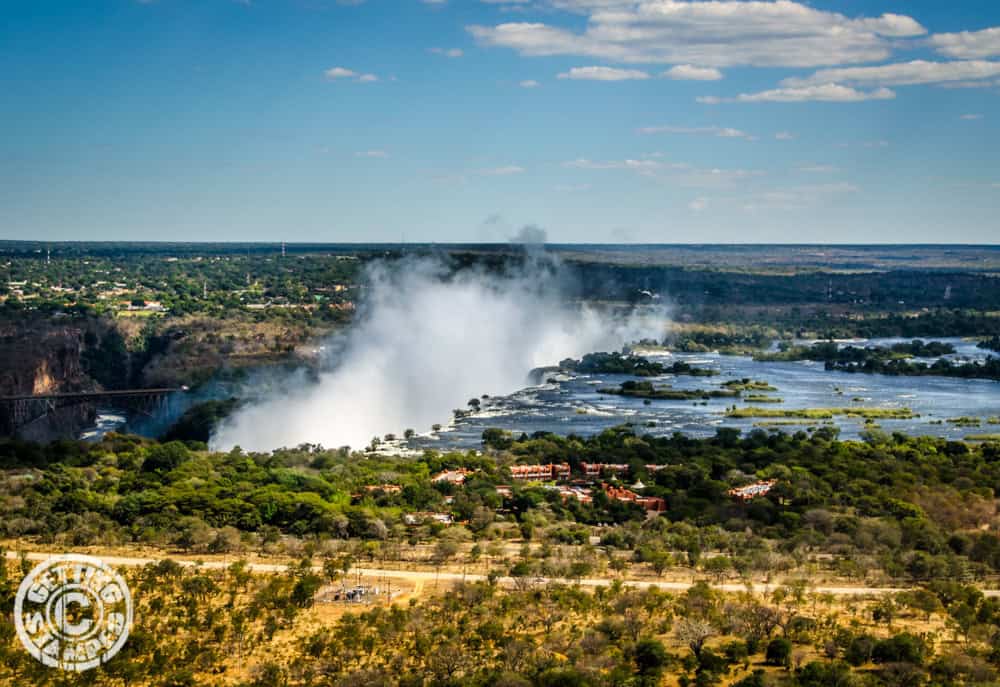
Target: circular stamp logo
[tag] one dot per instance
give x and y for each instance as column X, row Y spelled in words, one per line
column 73, row 612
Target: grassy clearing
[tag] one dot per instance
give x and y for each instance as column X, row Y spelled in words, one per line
column 823, row 413
column 964, row 421
column 748, row 385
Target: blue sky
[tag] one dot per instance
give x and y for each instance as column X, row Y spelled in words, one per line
column 665, row 121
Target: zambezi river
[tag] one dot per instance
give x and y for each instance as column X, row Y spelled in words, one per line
column 571, row 404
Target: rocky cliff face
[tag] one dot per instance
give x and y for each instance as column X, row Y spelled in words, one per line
column 38, row 358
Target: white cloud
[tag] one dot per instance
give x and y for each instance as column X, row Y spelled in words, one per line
column 971, row 117
column 687, row 72
column 676, row 173
column 339, row 73
column 968, row 44
column 446, row 52
column 797, row 197
column 830, row 93
column 635, row 165
column 818, row 169
column 710, row 33
column 603, row 74
column 970, row 84
column 901, row 74
column 529, row 83
column 784, row 136
column 698, row 204
column 718, row 131
column 505, row 170
column 379, row 154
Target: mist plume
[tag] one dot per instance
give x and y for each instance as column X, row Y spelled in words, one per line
column 424, row 342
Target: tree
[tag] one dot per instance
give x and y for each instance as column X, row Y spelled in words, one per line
column 779, row 652
column 817, row 674
column 859, row 650
column 902, row 648
column 659, row 561
column 304, row 590
column 444, row 551
column 694, row 633
column 650, row 657
column 717, row 567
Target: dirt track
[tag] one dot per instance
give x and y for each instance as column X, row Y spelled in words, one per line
column 420, row 577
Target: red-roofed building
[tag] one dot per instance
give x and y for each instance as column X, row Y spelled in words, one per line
column 452, row 476
column 540, row 472
column 597, row 469
column 652, row 504
column 752, row 491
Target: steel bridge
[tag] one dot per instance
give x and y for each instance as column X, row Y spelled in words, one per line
column 17, row 412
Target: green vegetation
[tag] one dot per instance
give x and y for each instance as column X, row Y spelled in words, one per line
column 890, row 511
column 964, row 421
column 232, row 627
column 829, row 351
column 991, row 344
column 747, row 384
column 759, row 398
column 823, row 413
column 613, row 363
column 618, row 363
column 665, row 393
column 198, row 421
column 888, row 361
column 724, row 339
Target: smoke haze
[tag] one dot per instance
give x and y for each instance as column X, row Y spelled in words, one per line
column 426, row 341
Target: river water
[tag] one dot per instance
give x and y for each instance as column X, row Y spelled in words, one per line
column 571, row 404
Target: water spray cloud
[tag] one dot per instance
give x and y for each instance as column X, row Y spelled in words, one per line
column 425, row 342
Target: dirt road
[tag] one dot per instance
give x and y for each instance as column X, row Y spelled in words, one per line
column 423, row 578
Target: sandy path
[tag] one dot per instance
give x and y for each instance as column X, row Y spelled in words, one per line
column 420, row 577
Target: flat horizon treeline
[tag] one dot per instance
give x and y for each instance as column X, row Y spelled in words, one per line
column 894, row 507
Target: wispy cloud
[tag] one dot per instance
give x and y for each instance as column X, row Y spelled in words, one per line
column 818, row 169
column 687, row 72
column 900, row 74
column 446, row 52
column 797, row 197
column 344, row 74
column 676, row 173
column 717, row 131
column 630, row 164
column 376, row 154
column 831, row 93
column 698, row 204
column 502, row 171
column 529, row 83
column 604, row 74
